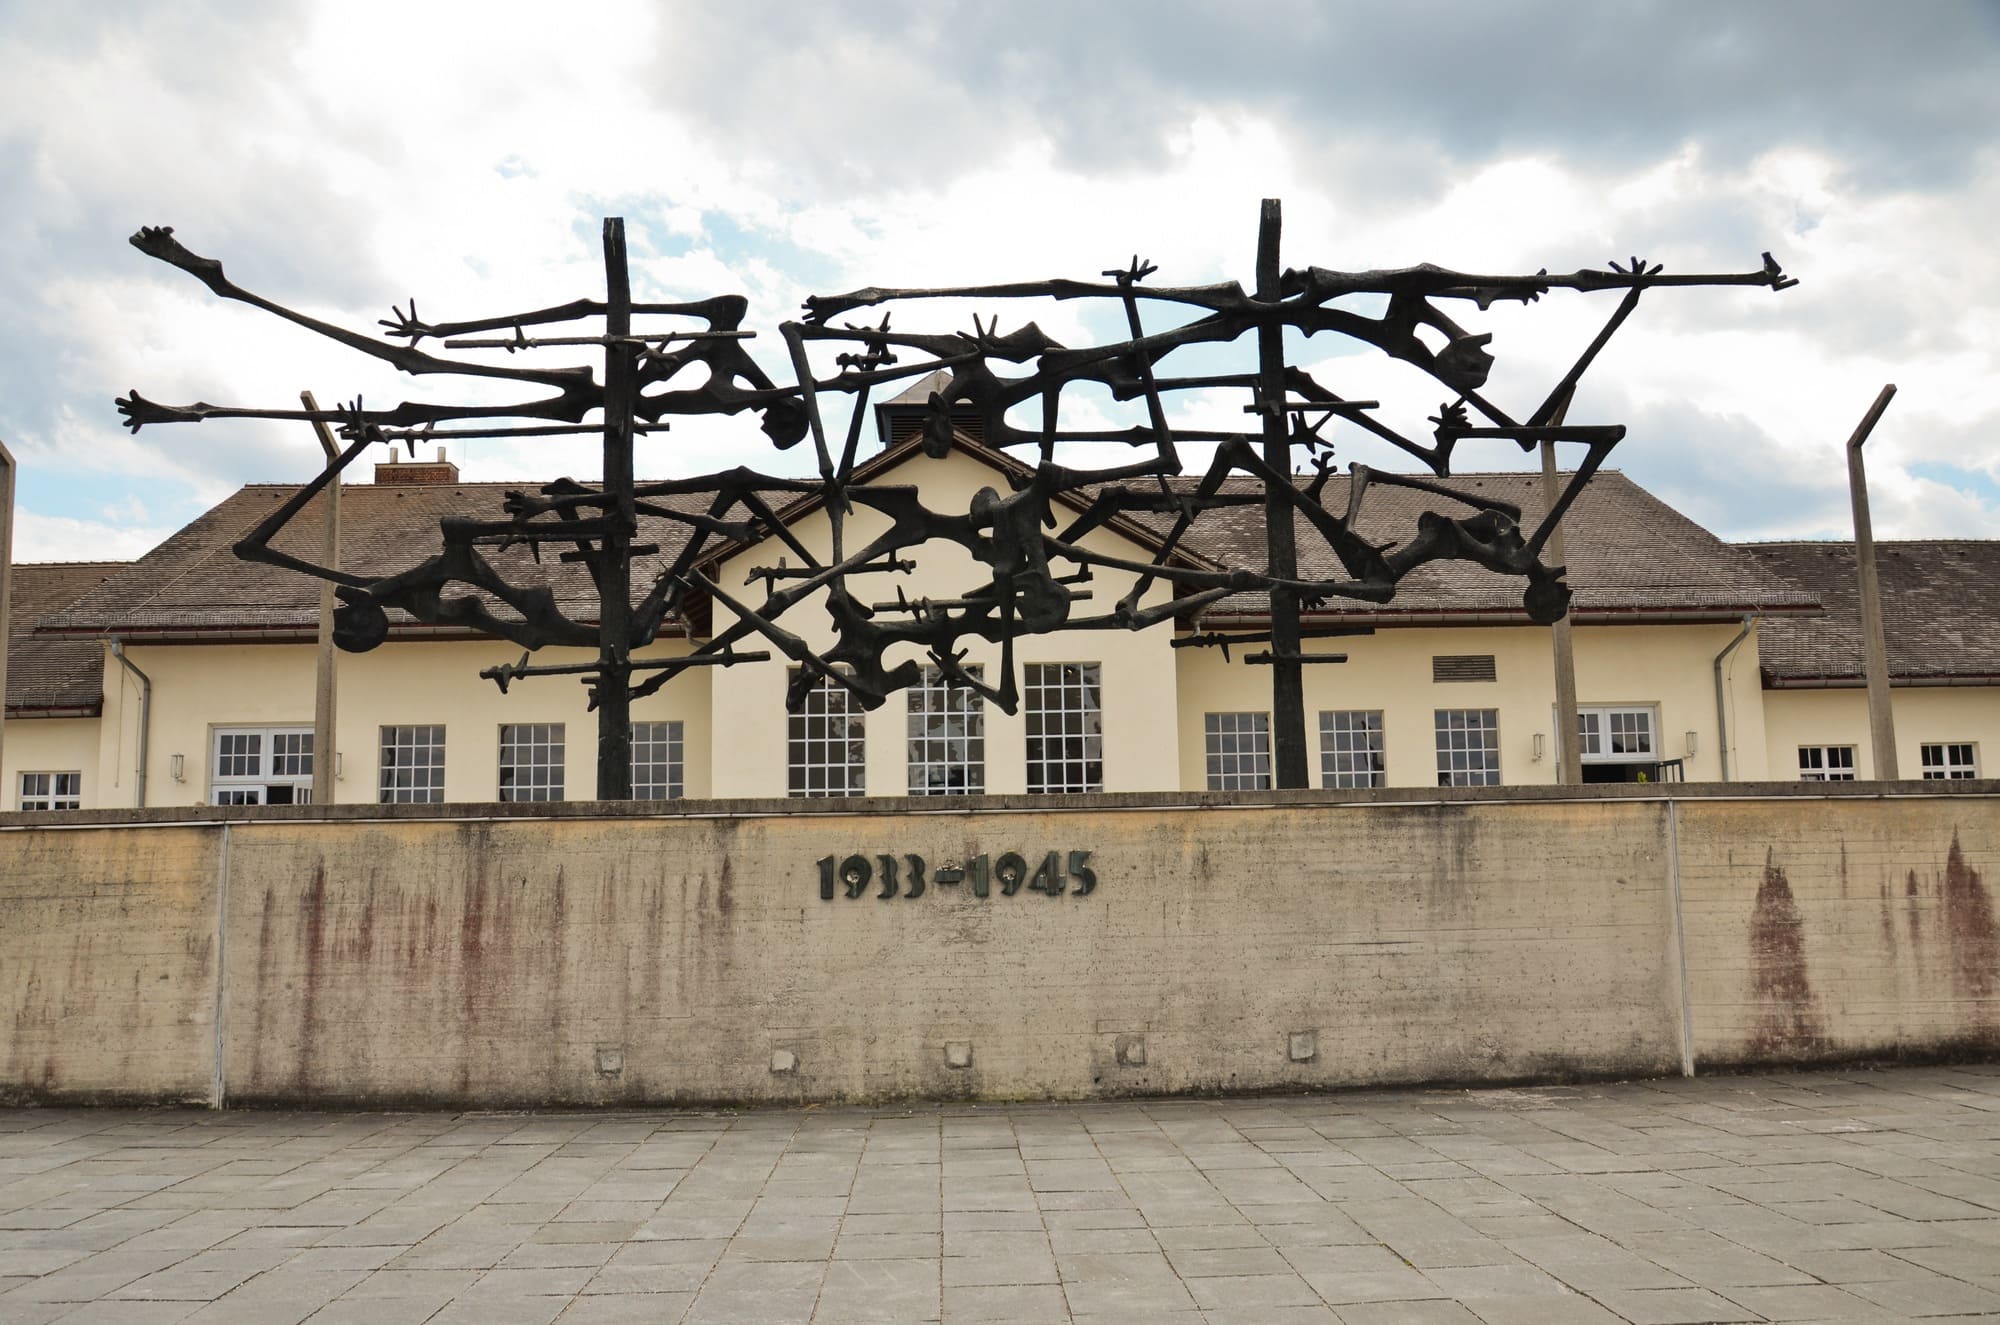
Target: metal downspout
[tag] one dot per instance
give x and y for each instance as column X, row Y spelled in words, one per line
column 145, row 712
column 1721, row 701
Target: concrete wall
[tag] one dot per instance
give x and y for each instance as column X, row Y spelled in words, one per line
column 1848, row 927
column 1291, row 940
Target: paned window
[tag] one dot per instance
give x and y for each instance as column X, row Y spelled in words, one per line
column 1468, row 747
column 656, row 761
column 531, row 761
column 261, row 766
column 1238, row 748
column 412, row 765
column 825, row 754
column 1065, row 726
column 947, row 737
column 1826, row 763
column 1616, row 735
column 1950, row 760
column 51, row 791
column 1350, row 749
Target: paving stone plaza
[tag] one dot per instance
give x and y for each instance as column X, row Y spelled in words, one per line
column 1847, row 1195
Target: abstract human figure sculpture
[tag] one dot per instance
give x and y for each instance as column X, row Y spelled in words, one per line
column 1031, row 557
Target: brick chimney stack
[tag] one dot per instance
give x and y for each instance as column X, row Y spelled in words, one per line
column 413, row 470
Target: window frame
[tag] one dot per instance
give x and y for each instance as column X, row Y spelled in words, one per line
column 1226, row 768
column 1947, row 765
column 254, row 788
column 827, row 702
column 1481, row 722
column 547, row 738
column 1595, row 723
column 1051, row 756
column 52, row 795
column 1825, row 764
column 1333, row 777
column 394, row 737
column 669, row 736
column 934, row 700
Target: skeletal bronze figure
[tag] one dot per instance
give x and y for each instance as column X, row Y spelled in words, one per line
column 1028, row 542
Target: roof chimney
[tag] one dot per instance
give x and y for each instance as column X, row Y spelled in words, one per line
column 398, row 470
column 899, row 419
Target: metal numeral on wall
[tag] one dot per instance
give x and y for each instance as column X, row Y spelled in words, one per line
column 1053, row 876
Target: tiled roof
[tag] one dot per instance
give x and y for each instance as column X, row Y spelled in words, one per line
column 1940, row 611
column 53, row 672
column 1630, row 556
column 195, row 583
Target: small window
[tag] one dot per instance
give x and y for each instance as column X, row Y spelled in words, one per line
column 1950, row 761
column 531, row 761
column 824, row 750
column 1064, row 717
column 412, row 766
column 947, row 737
column 1468, row 747
column 1238, row 747
column 657, row 751
column 261, row 766
column 1463, row 667
column 1351, row 749
column 51, row 791
column 1826, row 763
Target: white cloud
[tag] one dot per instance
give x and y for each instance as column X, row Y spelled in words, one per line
column 343, row 157
column 59, row 538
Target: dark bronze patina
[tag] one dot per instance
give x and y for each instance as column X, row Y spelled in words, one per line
column 1029, row 540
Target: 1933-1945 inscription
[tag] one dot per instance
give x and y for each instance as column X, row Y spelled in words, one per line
column 904, row 875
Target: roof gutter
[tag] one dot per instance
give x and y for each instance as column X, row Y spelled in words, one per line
column 1898, row 682
column 1596, row 616
column 145, row 711
column 1721, row 705
column 32, row 711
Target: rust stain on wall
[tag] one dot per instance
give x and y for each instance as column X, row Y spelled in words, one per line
column 1788, row 1024
column 1968, row 918
column 265, row 999
column 314, row 905
column 558, row 939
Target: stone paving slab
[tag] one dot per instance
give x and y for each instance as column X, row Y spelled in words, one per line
column 1832, row 1196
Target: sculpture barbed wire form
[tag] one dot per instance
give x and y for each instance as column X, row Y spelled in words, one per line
column 1033, row 561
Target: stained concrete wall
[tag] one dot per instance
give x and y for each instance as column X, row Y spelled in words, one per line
column 1853, row 926
column 1307, row 939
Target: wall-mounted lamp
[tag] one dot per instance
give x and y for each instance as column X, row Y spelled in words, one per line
column 339, row 772
column 178, row 767
column 1691, row 743
column 1539, row 740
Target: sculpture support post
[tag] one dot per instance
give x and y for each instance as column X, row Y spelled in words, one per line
column 1875, row 646
column 614, row 562
column 6, row 580
column 1288, row 699
column 326, row 665
column 1569, row 734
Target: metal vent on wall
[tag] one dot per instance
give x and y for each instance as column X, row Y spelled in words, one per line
column 1462, row 667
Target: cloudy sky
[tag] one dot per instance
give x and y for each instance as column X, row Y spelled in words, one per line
column 340, row 157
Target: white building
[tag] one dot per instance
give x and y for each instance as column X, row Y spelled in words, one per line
column 1695, row 659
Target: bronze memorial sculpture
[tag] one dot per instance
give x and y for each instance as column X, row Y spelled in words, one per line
column 1034, row 560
